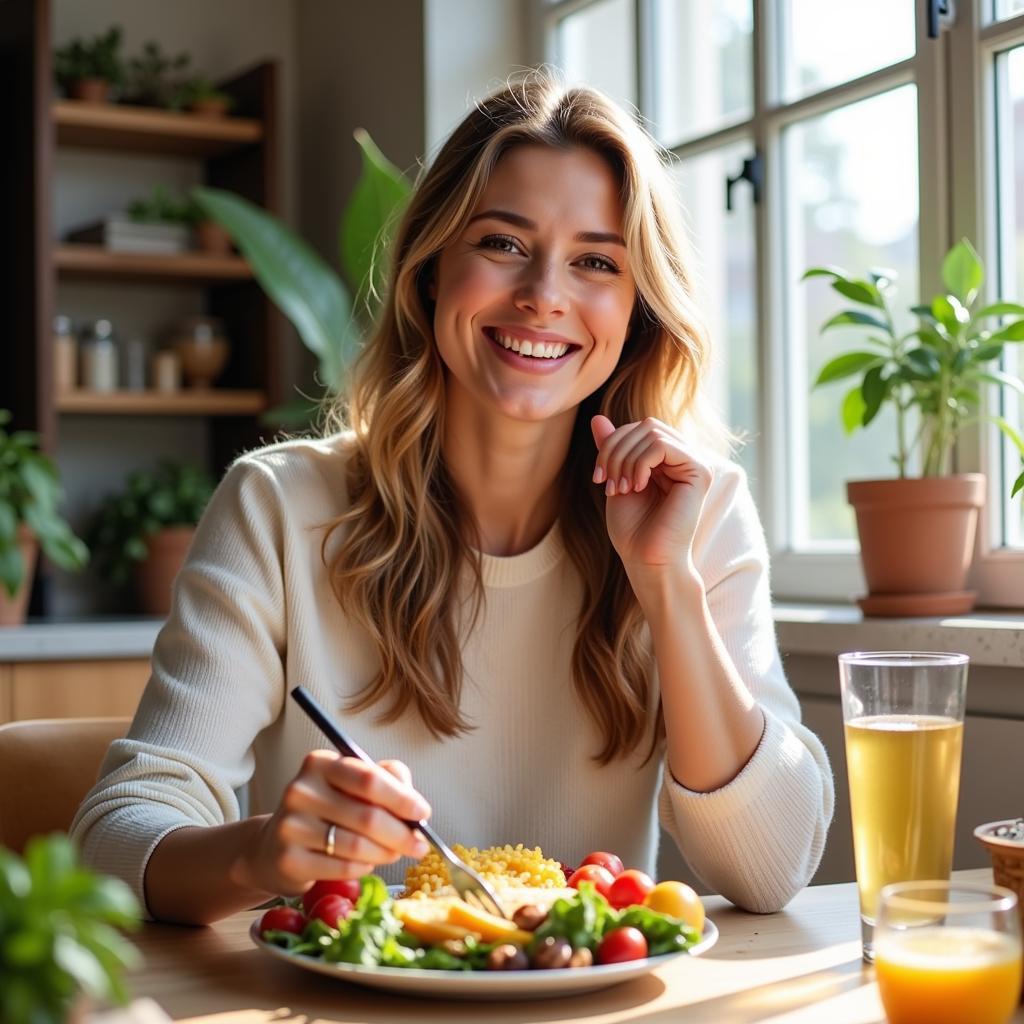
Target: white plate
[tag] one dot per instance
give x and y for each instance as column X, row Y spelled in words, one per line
column 531, row 984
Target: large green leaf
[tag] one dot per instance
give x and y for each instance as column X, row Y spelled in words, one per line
column 855, row 318
column 962, row 272
column 302, row 285
column 853, row 410
column 1011, row 332
column 1018, row 485
column 369, row 220
column 846, row 365
column 1000, row 309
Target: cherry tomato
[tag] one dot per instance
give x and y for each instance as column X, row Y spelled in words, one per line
column 601, row 878
column 678, row 900
column 622, row 944
column 283, row 919
column 607, row 860
column 331, row 909
column 347, row 887
column 629, row 889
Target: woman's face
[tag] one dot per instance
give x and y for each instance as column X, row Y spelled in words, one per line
column 534, row 297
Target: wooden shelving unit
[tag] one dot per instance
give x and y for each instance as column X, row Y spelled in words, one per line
column 187, row 402
column 238, row 153
column 94, row 261
column 145, row 130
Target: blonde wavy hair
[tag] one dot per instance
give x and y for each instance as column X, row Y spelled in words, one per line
column 408, row 534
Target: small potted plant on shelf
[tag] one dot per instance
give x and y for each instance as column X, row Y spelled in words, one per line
column 149, row 78
column 30, row 492
column 59, row 941
column 162, row 207
column 144, row 531
column 917, row 533
column 200, row 96
column 88, row 69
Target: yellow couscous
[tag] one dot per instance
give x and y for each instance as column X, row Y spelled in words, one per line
column 505, row 867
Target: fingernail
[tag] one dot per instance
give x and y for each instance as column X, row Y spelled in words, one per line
column 421, row 848
column 623, row 486
column 421, row 810
column 599, row 475
column 609, row 488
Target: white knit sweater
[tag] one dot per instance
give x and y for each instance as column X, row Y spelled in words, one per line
column 254, row 615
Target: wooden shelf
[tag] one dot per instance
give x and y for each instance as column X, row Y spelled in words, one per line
column 76, row 260
column 147, row 130
column 187, row 402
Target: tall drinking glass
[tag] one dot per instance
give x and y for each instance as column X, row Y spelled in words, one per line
column 903, row 714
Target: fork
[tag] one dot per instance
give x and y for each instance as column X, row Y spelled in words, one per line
column 472, row 889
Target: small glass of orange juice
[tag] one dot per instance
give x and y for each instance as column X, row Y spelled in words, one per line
column 948, row 953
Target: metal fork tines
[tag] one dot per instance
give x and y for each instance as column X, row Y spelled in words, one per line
column 465, row 881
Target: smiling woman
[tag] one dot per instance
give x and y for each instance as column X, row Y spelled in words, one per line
column 521, row 561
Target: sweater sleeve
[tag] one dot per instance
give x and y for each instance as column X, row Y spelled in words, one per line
column 758, row 839
column 217, row 680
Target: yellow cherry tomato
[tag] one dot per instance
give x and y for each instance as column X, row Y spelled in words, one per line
column 676, row 899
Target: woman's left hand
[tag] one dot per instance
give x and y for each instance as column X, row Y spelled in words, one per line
column 656, row 488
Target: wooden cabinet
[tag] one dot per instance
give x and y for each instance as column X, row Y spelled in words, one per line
column 71, row 689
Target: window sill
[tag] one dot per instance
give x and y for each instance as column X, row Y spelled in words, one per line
column 988, row 638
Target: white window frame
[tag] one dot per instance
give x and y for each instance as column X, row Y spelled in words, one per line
column 955, row 86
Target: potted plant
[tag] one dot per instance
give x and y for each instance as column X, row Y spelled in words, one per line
column 149, row 79
column 200, row 96
column 59, row 942
column 30, row 492
column 161, row 207
column 308, row 291
column 88, row 69
column 917, row 533
column 144, row 531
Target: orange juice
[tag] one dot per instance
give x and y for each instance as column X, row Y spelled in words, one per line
column 904, row 779
column 952, row 975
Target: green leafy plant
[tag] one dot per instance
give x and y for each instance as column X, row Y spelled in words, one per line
column 99, row 57
column 149, row 77
column 937, row 369
column 30, row 493
column 174, row 494
column 307, row 290
column 58, row 933
column 197, row 90
column 163, row 207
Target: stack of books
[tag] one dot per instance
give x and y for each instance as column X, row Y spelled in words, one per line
column 120, row 234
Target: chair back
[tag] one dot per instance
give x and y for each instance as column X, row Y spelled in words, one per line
column 47, row 766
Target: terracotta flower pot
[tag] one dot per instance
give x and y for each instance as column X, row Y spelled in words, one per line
column 91, row 90
column 154, row 578
column 212, row 238
column 917, row 541
column 209, row 108
column 12, row 609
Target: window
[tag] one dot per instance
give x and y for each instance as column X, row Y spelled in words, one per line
column 880, row 146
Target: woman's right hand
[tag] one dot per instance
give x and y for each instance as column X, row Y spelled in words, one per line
column 365, row 803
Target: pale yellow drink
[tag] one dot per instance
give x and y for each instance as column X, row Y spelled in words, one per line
column 904, row 775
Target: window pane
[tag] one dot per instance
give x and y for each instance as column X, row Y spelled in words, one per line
column 597, row 46
column 851, row 196
column 828, row 43
column 1010, row 190
column 703, row 61
column 723, row 245
column 1008, row 8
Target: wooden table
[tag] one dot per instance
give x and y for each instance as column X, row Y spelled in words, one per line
column 800, row 966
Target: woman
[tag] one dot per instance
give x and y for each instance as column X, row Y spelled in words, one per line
column 521, row 569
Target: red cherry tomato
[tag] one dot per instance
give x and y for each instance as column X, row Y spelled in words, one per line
column 622, row 944
column 283, row 919
column 331, row 909
column 607, row 860
column 601, row 878
column 629, row 889
column 347, row 887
